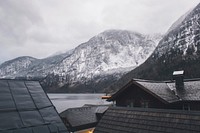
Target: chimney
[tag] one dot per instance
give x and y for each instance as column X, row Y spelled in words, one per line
column 178, row 76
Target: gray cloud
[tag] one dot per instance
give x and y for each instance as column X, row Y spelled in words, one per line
column 16, row 18
column 40, row 28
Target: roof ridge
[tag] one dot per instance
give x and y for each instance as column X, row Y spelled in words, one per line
column 175, row 111
column 155, row 81
column 3, row 79
column 79, row 108
column 193, row 79
column 165, row 81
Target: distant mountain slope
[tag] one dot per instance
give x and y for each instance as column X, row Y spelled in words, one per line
column 92, row 65
column 14, row 66
column 29, row 67
column 178, row 50
column 42, row 67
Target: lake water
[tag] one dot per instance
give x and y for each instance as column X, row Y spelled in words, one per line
column 65, row 101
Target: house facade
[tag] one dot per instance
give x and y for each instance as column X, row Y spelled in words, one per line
column 177, row 94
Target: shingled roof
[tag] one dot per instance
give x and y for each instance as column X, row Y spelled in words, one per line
column 143, row 120
column 166, row 90
column 83, row 117
column 24, row 107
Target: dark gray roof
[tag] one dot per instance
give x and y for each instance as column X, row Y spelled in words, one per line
column 190, row 92
column 99, row 108
column 145, row 120
column 82, row 117
column 24, row 107
column 160, row 89
column 166, row 90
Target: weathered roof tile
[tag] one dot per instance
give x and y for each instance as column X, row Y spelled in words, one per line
column 24, row 108
column 82, row 117
column 148, row 120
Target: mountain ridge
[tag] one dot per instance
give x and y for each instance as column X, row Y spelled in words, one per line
column 106, row 56
column 179, row 49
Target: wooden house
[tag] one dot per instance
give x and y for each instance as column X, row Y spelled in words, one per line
column 145, row 106
column 177, row 94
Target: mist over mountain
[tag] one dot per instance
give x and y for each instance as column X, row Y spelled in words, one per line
column 90, row 67
column 178, row 50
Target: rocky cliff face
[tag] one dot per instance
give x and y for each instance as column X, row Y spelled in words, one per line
column 102, row 60
column 178, row 50
column 92, row 65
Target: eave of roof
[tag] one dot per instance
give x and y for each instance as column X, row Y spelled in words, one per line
column 112, row 98
column 82, row 127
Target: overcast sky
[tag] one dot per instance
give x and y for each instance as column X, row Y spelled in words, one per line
column 40, row 28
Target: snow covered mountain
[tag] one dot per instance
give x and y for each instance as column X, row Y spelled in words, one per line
column 29, row 67
column 105, row 57
column 178, row 50
column 12, row 67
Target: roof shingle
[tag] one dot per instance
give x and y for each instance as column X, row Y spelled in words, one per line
column 82, row 117
column 141, row 120
column 24, row 107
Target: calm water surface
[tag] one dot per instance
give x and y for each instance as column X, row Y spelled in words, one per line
column 65, row 101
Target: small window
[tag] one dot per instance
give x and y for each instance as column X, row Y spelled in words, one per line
column 144, row 104
column 114, row 104
column 130, row 103
column 186, row 106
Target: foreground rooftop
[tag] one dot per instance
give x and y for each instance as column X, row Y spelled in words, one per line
column 25, row 108
column 143, row 120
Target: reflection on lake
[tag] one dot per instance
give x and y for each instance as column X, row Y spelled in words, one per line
column 65, row 101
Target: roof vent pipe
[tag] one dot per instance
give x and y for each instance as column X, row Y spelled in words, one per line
column 178, row 76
